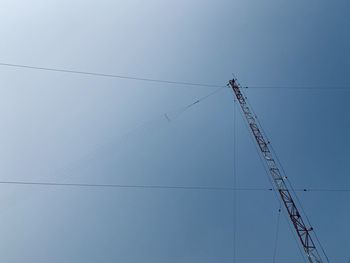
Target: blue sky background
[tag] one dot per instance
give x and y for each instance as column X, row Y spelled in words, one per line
column 71, row 128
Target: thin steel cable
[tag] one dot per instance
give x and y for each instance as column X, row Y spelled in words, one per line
column 277, row 198
column 294, row 190
column 322, row 248
column 187, row 107
column 164, row 81
column 257, row 118
column 214, row 188
column 267, row 174
column 308, row 220
column 97, row 74
column 346, row 88
column 323, row 190
column 91, row 185
column 276, row 235
column 108, row 146
column 288, row 181
column 302, row 254
column 297, row 197
column 276, row 194
column 234, row 181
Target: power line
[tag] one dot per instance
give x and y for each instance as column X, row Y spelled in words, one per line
column 165, row 81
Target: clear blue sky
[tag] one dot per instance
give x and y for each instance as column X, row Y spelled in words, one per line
column 70, row 128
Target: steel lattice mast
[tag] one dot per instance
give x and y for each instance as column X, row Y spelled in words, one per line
column 303, row 231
